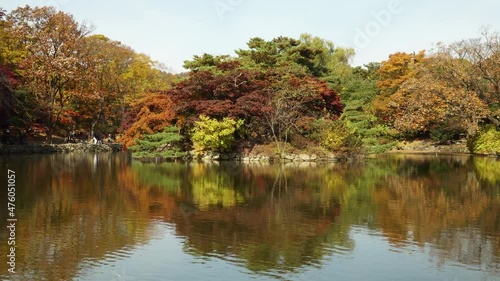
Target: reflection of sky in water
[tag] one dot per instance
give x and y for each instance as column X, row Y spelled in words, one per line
column 163, row 258
column 373, row 258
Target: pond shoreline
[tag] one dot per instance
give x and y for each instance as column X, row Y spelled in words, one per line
column 60, row 148
column 416, row 147
column 428, row 147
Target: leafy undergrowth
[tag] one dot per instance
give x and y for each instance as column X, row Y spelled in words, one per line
column 486, row 142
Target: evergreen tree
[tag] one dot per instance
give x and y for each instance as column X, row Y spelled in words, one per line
column 164, row 144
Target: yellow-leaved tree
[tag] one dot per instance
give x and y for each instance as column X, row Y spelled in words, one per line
column 213, row 135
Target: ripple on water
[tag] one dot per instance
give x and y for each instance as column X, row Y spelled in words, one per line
column 109, row 258
column 339, row 250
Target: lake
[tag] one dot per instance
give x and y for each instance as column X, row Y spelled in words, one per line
column 395, row 217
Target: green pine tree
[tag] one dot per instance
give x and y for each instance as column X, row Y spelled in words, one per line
column 164, row 144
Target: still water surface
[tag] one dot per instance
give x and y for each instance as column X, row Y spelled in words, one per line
column 106, row 217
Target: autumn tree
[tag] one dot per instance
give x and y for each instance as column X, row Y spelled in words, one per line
column 426, row 103
column 99, row 96
column 283, row 113
column 473, row 65
column 51, row 39
column 213, row 135
column 228, row 90
column 111, row 77
column 392, row 74
column 11, row 54
column 295, row 103
column 149, row 115
column 11, row 49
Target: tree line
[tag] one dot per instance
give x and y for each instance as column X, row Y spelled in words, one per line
column 57, row 76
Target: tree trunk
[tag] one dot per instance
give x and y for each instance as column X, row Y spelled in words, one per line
column 92, row 129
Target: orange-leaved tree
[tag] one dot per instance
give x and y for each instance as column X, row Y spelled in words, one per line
column 149, row 115
column 393, row 73
column 425, row 103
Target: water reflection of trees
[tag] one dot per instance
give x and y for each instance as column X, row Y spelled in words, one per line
column 265, row 217
column 283, row 219
column 446, row 204
column 487, row 169
column 270, row 219
column 69, row 213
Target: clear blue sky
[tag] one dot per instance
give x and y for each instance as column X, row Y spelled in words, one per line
column 173, row 31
